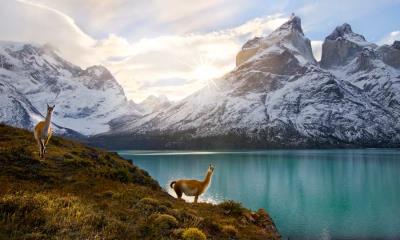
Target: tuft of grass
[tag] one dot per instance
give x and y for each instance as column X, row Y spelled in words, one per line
column 230, row 231
column 188, row 217
column 122, row 174
column 165, row 221
column 193, row 234
column 232, row 208
column 162, row 224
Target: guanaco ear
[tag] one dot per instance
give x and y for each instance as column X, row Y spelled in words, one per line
column 47, row 105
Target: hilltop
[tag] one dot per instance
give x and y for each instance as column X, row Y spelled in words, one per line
column 80, row 192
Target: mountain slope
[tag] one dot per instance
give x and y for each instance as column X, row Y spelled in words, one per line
column 86, row 99
column 17, row 111
column 84, row 193
column 153, row 103
column 279, row 96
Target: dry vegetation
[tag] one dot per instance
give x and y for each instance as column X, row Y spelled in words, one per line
column 80, row 192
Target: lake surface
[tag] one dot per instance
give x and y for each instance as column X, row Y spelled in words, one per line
column 312, row 194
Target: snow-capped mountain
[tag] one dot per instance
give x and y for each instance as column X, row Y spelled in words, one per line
column 17, row 111
column 153, row 103
column 32, row 76
column 280, row 96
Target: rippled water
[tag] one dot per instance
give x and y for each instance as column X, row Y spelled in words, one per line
column 309, row 193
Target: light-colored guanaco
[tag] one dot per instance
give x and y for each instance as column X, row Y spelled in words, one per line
column 43, row 131
column 192, row 187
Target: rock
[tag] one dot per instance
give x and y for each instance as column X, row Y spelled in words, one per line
column 342, row 46
column 396, row 44
column 390, row 54
column 364, row 61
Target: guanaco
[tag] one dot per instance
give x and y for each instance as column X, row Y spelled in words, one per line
column 192, row 187
column 43, row 131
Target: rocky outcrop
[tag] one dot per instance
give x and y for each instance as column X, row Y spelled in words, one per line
column 390, row 54
column 289, row 35
column 341, row 46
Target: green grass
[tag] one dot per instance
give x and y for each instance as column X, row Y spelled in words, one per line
column 79, row 192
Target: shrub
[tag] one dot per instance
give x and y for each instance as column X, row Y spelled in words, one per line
column 122, row 174
column 187, row 217
column 17, row 154
column 232, row 208
column 212, row 227
column 149, row 205
column 149, row 201
column 230, row 231
column 165, row 221
column 193, row 234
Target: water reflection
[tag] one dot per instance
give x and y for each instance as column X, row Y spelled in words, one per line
column 309, row 193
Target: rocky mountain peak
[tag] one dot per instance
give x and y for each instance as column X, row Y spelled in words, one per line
column 278, row 96
column 153, row 103
column 342, row 46
column 293, row 24
column 284, row 50
column 344, row 32
column 340, row 32
column 87, row 99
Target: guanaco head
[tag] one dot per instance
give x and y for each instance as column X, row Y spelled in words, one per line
column 210, row 168
column 50, row 108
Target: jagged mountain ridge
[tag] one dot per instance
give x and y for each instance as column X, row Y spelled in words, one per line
column 86, row 99
column 154, row 103
column 279, row 96
column 16, row 110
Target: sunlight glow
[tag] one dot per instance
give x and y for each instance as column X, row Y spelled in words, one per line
column 205, row 72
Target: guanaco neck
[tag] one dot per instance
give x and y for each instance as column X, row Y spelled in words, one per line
column 207, row 179
column 47, row 121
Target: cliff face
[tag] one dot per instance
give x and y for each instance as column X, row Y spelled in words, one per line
column 85, row 193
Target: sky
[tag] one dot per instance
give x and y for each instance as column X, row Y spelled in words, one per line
column 174, row 47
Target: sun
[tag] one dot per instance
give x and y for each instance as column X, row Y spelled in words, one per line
column 205, row 72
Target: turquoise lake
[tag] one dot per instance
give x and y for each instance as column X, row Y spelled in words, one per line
column 310, row 194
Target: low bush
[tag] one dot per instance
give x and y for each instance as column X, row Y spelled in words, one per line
column 193, row 234
column 232, row 208
column 230, row 231
column 165, row 221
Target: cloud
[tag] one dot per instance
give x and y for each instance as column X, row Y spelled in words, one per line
column 145, row 66
column 317, row 49
column 194, row 57
column 143, row 17
column 390, row 38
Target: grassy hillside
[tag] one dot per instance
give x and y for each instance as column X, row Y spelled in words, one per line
column 80, row 192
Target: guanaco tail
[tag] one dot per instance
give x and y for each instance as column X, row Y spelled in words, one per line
column 192, row 187
column 43, row 131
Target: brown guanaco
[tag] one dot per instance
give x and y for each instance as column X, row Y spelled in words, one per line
column 43, row 131
column 192, row 187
